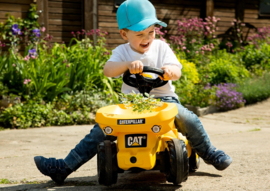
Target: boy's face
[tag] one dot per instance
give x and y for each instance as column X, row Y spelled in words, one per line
column 139, row 41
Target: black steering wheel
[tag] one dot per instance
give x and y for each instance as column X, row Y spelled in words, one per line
column 144, row 84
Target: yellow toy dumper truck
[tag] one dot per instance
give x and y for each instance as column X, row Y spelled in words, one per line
column 146, row 140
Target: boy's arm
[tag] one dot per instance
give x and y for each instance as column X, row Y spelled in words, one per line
column 113, row 69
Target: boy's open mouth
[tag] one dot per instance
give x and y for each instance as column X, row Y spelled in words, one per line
column 145, row 45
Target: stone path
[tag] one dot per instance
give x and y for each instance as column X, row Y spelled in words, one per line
column 243, row 133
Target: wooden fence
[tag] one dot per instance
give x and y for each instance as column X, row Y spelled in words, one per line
column 61, row 17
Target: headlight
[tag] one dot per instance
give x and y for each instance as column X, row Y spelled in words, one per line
column 156, row 128
column 108, row 130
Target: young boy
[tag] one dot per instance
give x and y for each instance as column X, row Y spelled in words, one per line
column 137, row 20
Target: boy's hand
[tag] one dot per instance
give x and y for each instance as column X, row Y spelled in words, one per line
column 135, row 67
column 168, row 73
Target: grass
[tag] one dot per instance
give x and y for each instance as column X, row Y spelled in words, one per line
column 256, row 129
column 4, row 181
column 255, row 89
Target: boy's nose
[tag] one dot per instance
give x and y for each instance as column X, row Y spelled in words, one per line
column 147, row 37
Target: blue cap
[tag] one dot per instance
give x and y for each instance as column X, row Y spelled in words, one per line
column 137, row 15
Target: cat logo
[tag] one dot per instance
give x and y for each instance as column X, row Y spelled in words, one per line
column 136, row 140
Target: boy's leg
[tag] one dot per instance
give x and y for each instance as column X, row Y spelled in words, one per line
column 190, row 126
column 59, row 169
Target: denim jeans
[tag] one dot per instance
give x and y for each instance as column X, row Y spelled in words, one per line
column 185, row 121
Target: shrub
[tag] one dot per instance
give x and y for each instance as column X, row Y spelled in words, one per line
column 47, row 73
column 195, row 37
column 255, row 89
column 257, row 58
column 185, row 84
column 202, row 96
column 226, row 69
column 228, row 98
column 69, row 109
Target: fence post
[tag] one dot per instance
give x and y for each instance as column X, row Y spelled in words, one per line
column 90, row 16
column 240, row 10
column 207, row 9
column 42, row 8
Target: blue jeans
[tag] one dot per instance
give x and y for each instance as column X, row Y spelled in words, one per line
column 185, row 121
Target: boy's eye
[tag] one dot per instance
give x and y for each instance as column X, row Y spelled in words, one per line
column 139, row 35
column 151, row 31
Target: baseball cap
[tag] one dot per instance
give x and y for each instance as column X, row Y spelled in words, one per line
column 137, row 15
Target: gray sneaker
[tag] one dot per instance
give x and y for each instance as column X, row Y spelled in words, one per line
column 217, row 158
column 56, row 169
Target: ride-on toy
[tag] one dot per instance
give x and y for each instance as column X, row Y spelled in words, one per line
column 145, row 141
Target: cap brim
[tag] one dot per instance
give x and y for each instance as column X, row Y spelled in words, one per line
column 145, row 24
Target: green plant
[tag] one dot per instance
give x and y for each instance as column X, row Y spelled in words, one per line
column 139, row 103
column 21, row 28
column 255, row 89
column 49, row 73
column 256, row 129
column 256, row 58
column 227, row 68
column 189, row 71
column 189, row 77
column 195, row 37
column 68, row 109
column 202, row 96
column 4, row 181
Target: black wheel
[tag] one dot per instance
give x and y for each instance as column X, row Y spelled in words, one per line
column 107, row 163
column 179, row 165
column 194, row 162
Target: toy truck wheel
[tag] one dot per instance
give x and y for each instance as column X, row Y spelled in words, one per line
column 194, row 162
column 107, row 163
column 179, row 165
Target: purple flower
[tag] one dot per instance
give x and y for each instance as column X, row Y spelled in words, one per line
column 36, row 32
column 227, row 97
column 15, row 30
column 32, row 52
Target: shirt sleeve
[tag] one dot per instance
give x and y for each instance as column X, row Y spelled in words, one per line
column 169, row 57
column 117, row 55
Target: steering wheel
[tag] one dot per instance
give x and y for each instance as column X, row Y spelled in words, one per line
column 144, row 84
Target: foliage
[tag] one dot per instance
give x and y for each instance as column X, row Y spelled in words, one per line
column 226, row 68
column 257, row 58
column 201, row 96
column 260, row 36
column 16, row 29
column 189, row 77
column 139, row 103
column 48, row 73
column 189, row 71
column 4, row 181
column 255, row 89
column 195, row 37
column 228, row 98
column 70, row 109
column 91, row 99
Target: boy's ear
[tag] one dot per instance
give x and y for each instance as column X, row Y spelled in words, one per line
column 123, row 33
